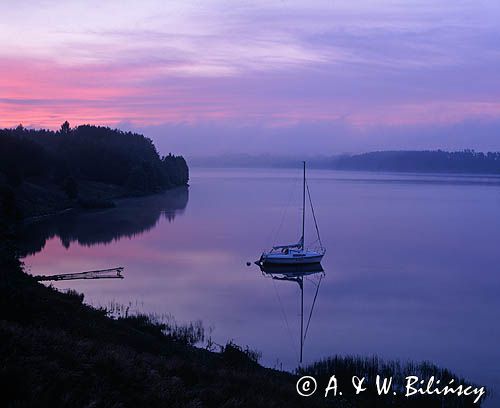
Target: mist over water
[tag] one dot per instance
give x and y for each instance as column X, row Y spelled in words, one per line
column 412, row 263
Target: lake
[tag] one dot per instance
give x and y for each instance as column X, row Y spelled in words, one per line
column 412, row 263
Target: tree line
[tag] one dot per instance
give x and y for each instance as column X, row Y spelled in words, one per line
column 69, row 156
column 430, row 161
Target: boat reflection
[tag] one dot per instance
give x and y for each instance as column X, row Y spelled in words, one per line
column 296, row 273
column 278, row 271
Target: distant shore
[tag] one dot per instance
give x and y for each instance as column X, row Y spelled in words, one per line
column 426, row 161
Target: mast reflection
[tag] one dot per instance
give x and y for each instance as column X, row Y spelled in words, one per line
column 296, row 273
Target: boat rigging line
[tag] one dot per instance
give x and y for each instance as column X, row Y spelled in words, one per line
column 312, row 307
column 313, row 214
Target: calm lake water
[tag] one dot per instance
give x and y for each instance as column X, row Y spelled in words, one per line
column 412, row 264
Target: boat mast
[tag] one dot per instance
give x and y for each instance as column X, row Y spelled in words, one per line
column 303, row 204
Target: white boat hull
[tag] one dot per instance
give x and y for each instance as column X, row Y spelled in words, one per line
column 309, row 257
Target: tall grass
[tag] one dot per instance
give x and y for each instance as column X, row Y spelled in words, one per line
column 159, row 324
column 345, row 367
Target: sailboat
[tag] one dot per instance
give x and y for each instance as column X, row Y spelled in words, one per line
column 296, row 253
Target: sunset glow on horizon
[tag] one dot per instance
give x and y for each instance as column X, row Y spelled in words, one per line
column 370, row 74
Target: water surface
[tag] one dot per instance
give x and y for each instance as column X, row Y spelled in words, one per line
column 412, row 264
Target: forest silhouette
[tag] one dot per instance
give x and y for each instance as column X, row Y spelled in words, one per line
column 43, row 171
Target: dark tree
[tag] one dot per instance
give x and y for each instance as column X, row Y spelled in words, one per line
column 65, row 128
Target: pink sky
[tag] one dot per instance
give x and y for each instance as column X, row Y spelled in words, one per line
column 204, row 77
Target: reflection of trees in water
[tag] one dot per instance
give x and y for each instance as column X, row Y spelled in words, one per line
column 131, row 217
